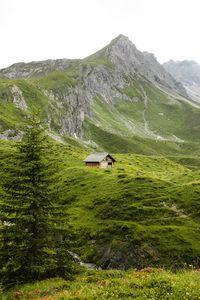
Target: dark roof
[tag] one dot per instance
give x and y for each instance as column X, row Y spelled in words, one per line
column 98, row 157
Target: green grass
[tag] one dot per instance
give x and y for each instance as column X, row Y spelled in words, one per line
column 146, row 203
column 143, row 212
column 113, row 142
column 171, row 117
column 118, row 125
column 146, row 284
column 56, row 81
column 13, row 117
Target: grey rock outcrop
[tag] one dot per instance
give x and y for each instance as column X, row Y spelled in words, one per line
column 18, row 98
column 11, row 135
column 36, row 68
column 67, row 110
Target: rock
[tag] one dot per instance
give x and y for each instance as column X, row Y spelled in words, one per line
column 35, row 68
column 18, row 98
column 67, row 110
column 128, row 59
column 11, row 135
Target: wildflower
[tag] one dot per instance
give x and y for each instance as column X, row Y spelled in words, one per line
column 17, row 294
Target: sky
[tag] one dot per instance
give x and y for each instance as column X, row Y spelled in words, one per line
column 32, row 30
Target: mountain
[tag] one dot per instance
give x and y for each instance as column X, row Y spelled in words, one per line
column 121, row 53
column 188, row 73
column 118, row 99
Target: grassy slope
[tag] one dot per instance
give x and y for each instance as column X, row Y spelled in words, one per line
column 119, row 125
column 113, row 142
column 143, row 212
column 12, row 117
column 147, row 284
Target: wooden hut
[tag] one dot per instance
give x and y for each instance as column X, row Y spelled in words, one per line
column 100, row 160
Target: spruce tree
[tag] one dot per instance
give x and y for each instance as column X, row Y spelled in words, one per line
column 29, row 230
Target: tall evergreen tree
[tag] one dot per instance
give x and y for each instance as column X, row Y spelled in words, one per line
column 29, row 231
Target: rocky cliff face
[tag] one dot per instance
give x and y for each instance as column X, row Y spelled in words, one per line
column 67, row 109
column 188, row 73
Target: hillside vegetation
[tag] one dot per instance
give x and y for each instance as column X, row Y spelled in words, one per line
column 143, row 212
column 146, row 284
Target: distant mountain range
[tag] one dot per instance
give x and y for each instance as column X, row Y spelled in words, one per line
column 188, row 73
column 117, row 99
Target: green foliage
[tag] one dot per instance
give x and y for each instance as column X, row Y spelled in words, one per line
column 31, row 239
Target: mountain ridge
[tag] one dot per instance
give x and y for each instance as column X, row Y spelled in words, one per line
column 122, row 53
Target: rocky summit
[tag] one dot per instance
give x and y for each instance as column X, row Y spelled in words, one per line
column 118, row 93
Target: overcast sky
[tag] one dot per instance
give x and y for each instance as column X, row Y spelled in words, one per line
column 42, row 29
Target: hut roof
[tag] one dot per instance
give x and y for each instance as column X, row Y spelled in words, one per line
column 98, row 157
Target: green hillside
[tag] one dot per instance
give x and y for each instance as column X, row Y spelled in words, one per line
column 143, row 212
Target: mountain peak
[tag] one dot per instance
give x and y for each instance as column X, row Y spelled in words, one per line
column 120, row 38
column 121, row 41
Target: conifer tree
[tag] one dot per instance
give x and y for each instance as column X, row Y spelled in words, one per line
column 29, row 230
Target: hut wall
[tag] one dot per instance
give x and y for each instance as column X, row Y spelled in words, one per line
column 92, row 164
column 104, row 164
